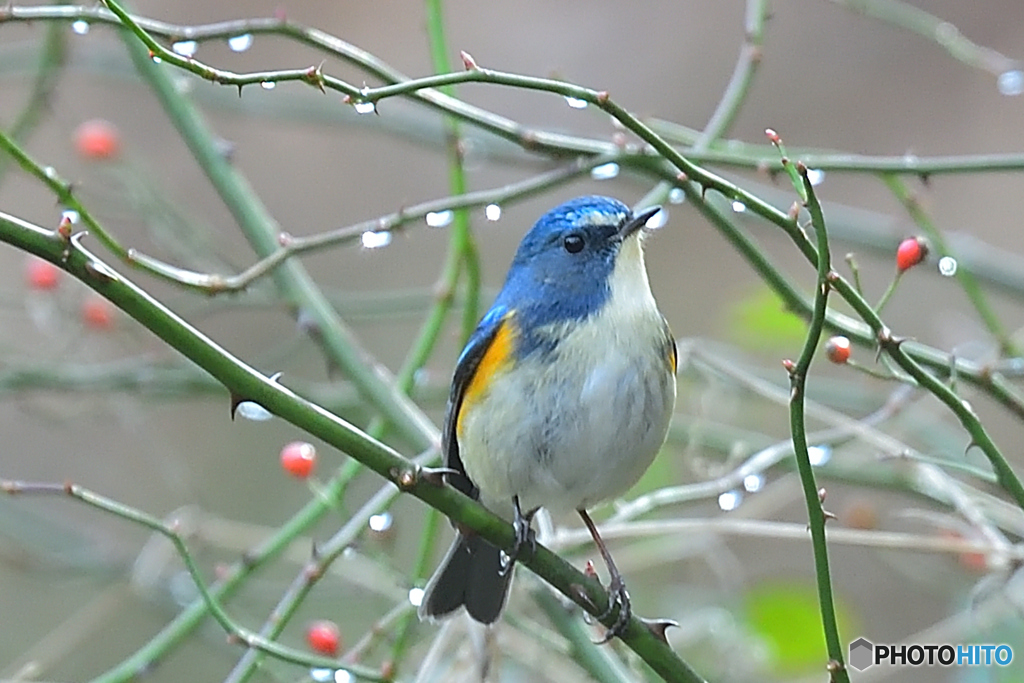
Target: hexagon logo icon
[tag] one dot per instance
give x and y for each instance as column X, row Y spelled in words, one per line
column 861, row 654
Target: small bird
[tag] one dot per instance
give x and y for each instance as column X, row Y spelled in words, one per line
column 560, row 399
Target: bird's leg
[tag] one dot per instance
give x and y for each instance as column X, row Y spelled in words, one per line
column 617, row 595
column 524, row 535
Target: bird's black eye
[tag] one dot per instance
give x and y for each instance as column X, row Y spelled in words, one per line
column 573, row 244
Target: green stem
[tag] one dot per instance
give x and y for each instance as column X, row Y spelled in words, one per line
column 894, row 348
column 52, row 59
column 798, row 379
column 947, row 36
column 420, row 571
column 887, row 294
column 742, row 76
column 462, row 241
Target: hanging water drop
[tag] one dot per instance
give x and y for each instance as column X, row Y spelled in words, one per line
column 364, row 107
column 576, row 103
column 738, row 206
column 819, row 455
column 947, row 266
column 492, row 212
column 322, row 675
column 415, row 596
column 80, row 27
column 816, row 176
column 676, row 195
column 439, row 219
column 753, row 483
column 375, row 240
column 1011, row 83
column 605, row 171
column 250, row 410
column 381, row 522
column 342, row 676
column 69, row 215
column 730, row 500
column 156, row 59
column 240, row 43
column 185, row 48
column 268, row 85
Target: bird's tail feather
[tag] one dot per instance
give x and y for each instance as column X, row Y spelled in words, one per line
column 469, row 575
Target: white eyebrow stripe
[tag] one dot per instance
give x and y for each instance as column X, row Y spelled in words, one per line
column 602, row 218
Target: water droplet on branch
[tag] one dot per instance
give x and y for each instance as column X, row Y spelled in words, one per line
column 185, row 48
column 947, row 266
column 240, row 43
column 439, row 219
column 1011, row 83
column 605, row 171
column 364, row 107
column 375, row 240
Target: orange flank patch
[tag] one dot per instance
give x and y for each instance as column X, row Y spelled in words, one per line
column 495, row 360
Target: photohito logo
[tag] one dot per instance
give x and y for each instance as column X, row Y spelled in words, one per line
column 864, row 653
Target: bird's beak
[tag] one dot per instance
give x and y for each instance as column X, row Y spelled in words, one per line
column 638, row 221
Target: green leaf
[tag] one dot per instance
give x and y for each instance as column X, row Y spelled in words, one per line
column 760, row 322
column 786, row 616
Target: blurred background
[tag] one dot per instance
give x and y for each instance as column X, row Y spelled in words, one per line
column 90, row 396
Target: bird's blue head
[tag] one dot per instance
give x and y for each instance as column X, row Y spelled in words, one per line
column 565, row 264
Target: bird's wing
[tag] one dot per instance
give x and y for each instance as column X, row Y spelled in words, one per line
column 488, row 350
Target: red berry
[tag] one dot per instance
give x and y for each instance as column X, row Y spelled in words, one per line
column 838, row 349
column 40, row 274
column 298, row 459
column 324, row 637
column 97, row 313
column 911, row 251
column 97, row 139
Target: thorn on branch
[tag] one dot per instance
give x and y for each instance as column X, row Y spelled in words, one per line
column 603, row 97
column 658, row 627
column 580, row 593
column 315, row 76
column 97, row 273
